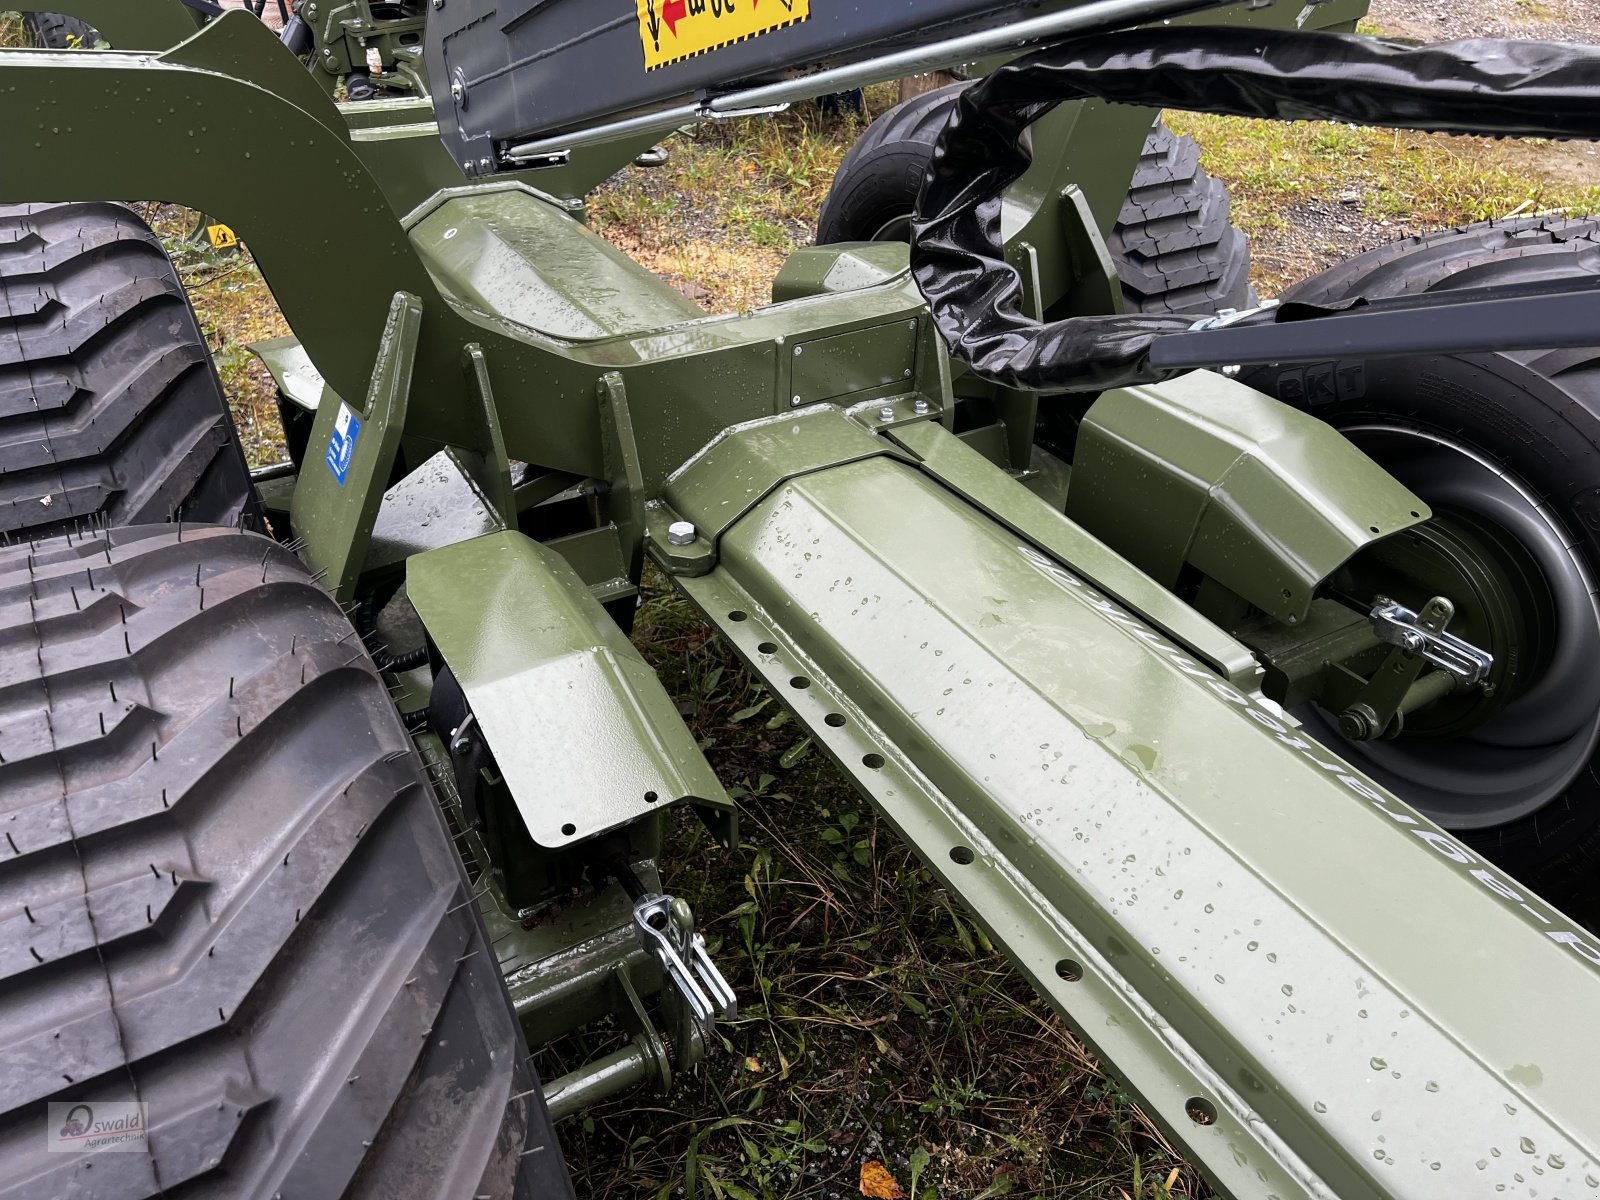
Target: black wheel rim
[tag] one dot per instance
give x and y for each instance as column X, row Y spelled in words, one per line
column 1531, row 753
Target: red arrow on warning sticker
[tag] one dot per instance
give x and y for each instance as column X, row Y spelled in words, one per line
column 674, row 11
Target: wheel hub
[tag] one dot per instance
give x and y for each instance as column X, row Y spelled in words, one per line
column 1483, row 757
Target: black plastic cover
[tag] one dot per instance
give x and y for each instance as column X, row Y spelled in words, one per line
column 505, row 70
column 1537, row 89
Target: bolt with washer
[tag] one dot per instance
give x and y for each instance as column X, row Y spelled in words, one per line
column 921, row 407
column 886, row 413
column 681, row 533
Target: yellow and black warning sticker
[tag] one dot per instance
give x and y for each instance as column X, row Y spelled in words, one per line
column 673, row 30
column 222, row 237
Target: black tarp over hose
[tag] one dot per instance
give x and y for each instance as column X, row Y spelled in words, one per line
column 1529, row 89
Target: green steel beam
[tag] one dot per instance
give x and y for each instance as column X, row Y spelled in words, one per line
column 969, row 475
column 1314, row 989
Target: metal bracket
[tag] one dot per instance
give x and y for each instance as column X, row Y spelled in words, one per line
column 1399, row 687
column 1425, row 635
column 624, row 476
column 490, row 467
column 666, row 928
column 351, row 455
column 710, row 113
column 1231, row 316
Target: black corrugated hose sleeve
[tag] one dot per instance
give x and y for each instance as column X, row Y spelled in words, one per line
column 366, row 623
column 1531, row 89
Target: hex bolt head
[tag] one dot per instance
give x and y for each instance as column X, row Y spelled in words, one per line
column 681, row 533
column 798, row 350
column 886, row 413
column 457, row 91
column 921, row 407
column 438, row 4
column 485, row 164
column 1358, row 723
column 795, row 403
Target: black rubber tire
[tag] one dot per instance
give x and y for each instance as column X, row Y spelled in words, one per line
column 54, row 31
column 1532, row 419
column 228, row 893
column 110, row 409
column 1174, row 244
column 876, row 186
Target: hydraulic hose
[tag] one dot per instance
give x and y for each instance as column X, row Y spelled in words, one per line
column 1516, row 88
column 366, row 622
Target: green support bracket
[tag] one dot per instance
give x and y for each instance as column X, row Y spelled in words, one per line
column 351, row 455
column 582, row 732
column 1095, row 287
column 490, row 467
column 1019, row 410
column 624, row 477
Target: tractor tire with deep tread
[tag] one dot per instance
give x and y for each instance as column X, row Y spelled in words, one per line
column 1174, row 243
column 1512, row 440
column 228, row 893
column 111, row 412
column 56, row 31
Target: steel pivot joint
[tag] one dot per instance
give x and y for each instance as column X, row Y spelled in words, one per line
column 666, row 928
column 1399, row 626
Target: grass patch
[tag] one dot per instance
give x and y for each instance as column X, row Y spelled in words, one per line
column 234, row 308
column 1423, row 179
column 734, row 200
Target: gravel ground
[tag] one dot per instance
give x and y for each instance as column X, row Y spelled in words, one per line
column 1316, row 234
column 1442, row 20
